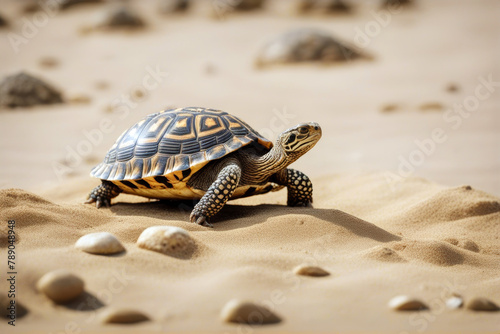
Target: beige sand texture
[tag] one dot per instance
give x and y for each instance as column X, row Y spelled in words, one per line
column 430, row 233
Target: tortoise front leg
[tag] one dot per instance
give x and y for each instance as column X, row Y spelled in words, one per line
column 299, row 186
column 217, row 195
column 103, row 193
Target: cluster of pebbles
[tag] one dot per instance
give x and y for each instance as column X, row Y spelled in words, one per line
column 62, row 286
column 407, row 303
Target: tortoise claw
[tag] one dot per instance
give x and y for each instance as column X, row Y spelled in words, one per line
column 89, row 200
column 200, row 220
column 99, row 202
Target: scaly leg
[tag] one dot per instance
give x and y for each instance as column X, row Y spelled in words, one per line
column 103, row 193
column 217, row 195
column 299, row 187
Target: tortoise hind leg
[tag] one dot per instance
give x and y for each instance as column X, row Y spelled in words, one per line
column 217, row 195
column 299, row 186
column 103, row 193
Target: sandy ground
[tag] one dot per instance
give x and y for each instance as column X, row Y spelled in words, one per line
column 377, row 224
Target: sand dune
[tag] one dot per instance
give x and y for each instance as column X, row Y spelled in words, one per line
column 445, row 243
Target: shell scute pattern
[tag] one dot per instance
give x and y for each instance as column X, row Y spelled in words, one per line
column 168, row 146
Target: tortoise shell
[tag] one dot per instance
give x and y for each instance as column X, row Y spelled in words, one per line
column 168, row 147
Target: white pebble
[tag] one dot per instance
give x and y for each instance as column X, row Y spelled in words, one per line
column 454, row 302
column 405, row 303
column 99, row 243
column 237, row 311
column 60, row 285
column 165, row 239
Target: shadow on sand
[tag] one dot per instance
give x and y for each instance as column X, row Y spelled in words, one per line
column 242, row 216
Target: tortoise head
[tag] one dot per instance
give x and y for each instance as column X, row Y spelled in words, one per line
column 298, row 140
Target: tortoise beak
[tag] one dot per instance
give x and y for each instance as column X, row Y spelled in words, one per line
column 315, row 129
column 314, row 132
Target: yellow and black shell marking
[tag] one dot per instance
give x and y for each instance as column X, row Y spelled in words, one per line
column 156, row 156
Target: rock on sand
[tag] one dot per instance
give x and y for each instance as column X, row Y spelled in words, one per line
column 60, row 285
column 23, row 90
column 482, row 304
column 306, row 270
column 248, row 313
column 166, row 239
column 99, row 243
column 123, row 316
column 405, row 303
column 120, row 16
column 306, row 45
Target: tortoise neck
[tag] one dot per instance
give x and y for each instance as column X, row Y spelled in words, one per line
column 268, row 164
column 273, row 161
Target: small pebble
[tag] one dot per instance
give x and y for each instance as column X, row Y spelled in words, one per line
column 482, row 304
column 60, row 285
column 431, row 106
column 237, row 311
column 454, row 302
column 101, row 85
column 138, row 94
column 165, row 239
column 48, row 62
column 78, row 99
column 123, row 316
column 99, row 243
column 314, row 271
column 405, row 303
column 452, row 88
column 389, row 108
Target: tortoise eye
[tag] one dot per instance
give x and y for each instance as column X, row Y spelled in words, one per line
column 303, row 130
column 291, row 139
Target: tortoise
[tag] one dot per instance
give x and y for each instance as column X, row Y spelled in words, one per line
column 203, row 154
